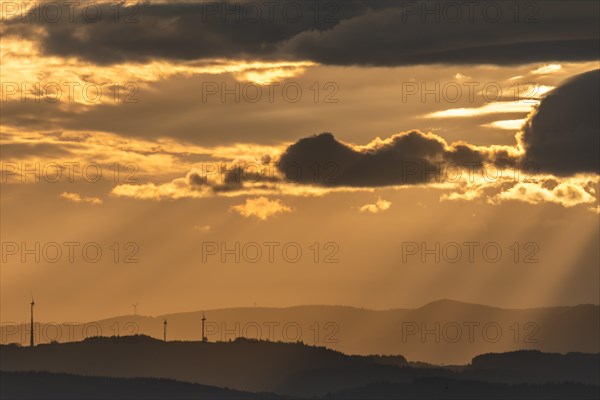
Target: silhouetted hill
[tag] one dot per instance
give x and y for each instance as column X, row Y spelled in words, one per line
column 283, row 368
column 45, row 385
column 248, row 365
column 444, row 331
column 440, row 388
column 535, row 366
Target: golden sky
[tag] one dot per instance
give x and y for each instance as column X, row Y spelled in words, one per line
column 169, row 140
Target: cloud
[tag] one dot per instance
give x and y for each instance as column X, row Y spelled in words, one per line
column 403, row 159
column 77, row 198
column 66, row 154
column 225, row 180
column 202, row 228
column 261, row 208
column 340, row 34
column 75, row 85
column 507, row 124
column 547, row 69
column 191, row 186
column 567, row 192
column 320, row 164
column 563, row 134
column 403, row 39
column 560, row 137
column 380, row 205
column 507, row 100
column 489, row 108
column 20, row 151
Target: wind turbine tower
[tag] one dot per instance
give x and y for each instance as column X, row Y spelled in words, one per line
column 165, row 329
column 204, row 339
column 32, row 338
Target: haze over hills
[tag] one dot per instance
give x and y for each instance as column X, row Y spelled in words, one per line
column 293, row 369
column 441, row 332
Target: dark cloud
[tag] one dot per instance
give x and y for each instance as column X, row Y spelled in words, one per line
column 391, row 37
column 408, row 158
column 195, row 180
column 176, row 30
column 563, row 136
column 341, row 33
column 232, row 178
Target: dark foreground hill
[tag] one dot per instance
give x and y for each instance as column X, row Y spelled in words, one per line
column 44, row 385
column 440, row 388
column 293, row 369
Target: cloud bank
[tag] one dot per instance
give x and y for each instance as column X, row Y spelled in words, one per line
column 335, row 33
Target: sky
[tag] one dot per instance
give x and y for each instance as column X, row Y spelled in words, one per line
column 197, row 155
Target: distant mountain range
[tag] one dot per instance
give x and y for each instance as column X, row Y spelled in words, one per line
column 442, row 332
column 291, row 369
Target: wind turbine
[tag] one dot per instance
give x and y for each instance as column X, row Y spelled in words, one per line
column 135, row 308
column 204, row 339
column 32, row 338
column 165, row 329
